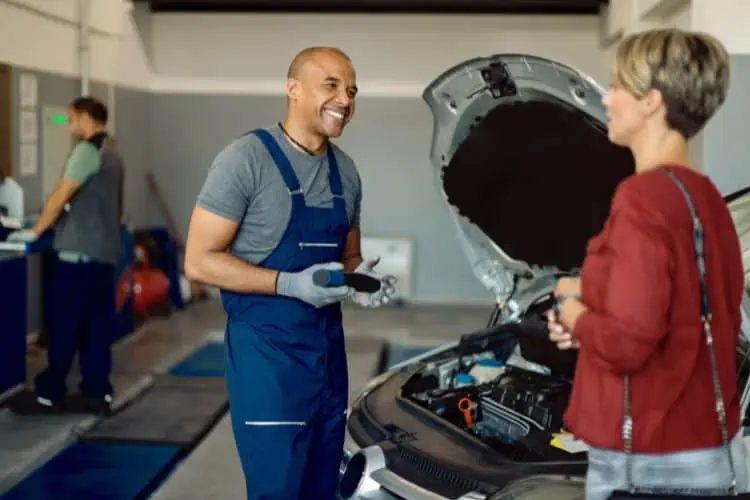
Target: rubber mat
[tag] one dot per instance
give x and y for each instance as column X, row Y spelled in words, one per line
column 95, row 471
column 206, row 361
column 177, row 411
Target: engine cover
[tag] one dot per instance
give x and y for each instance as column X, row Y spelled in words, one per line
column 522, row 402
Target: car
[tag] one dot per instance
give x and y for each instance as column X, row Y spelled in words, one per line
column 527, row 174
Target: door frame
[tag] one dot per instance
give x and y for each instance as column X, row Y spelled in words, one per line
column 6, row 124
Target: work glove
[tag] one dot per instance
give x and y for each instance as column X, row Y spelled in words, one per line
column 382, row 296
column 301, row 286
column 26, row 235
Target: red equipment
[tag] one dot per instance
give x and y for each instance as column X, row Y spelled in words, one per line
column 150, row 285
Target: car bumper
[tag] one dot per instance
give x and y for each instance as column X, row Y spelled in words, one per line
column 368, row 477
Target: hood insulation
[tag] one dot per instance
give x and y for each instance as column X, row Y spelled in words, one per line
column 537, row 178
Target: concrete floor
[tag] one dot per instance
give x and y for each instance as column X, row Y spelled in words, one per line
column 212, row 469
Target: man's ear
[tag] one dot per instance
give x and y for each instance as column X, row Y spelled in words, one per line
column 292, row 89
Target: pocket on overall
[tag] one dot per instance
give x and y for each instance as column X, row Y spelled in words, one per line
column 268, row 385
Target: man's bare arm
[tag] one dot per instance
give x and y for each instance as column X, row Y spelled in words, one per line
column 352, row 256
column 208, row 261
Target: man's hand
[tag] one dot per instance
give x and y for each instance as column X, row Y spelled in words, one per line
column 25, row 235
column 301, row 286
column 382, row 296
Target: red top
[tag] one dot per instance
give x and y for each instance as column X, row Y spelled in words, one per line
column 640, row 282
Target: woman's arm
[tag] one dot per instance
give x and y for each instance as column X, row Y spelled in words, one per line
column 624, row 333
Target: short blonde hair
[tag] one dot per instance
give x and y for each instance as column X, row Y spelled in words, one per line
column 690, row 69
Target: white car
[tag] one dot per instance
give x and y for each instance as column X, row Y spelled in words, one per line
column 527, row 173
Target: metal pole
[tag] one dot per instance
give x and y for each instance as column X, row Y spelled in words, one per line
column 83, row 45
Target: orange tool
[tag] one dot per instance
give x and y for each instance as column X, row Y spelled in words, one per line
column 464, row 405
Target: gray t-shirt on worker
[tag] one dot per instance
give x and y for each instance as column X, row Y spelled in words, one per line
column 245, row 185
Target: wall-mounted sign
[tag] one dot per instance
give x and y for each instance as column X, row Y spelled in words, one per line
column 29, row 159
column 28, row 90
column 28, row 126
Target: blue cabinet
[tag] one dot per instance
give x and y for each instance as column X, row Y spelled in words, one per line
column 12, row 321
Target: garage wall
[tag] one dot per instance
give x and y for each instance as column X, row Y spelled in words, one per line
column 132, row 111
column 41, row 37
column 725, row 150
column 218, row 76
column 119, row 72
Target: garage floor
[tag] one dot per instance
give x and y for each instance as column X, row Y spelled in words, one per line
column 211, row 469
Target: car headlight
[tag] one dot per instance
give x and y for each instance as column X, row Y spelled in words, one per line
column 371, row 385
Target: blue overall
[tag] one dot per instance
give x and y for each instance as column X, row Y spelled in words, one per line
column 285, row 360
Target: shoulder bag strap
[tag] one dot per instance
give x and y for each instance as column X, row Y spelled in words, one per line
column 627, row 426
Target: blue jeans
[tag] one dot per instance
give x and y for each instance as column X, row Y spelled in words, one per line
column 706, row 470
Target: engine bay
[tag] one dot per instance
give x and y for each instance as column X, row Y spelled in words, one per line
column 495, row 388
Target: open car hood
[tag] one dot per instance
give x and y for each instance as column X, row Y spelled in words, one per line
column 524, row 163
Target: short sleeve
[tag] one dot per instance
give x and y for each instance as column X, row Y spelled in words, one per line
column 83, row 162
column 229, row 185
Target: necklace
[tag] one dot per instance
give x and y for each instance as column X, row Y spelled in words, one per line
column 297, row 143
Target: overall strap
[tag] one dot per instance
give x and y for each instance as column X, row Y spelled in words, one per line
column 334, row 178
column 282, row 162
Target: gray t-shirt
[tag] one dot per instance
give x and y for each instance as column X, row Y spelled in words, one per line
column 245, row 185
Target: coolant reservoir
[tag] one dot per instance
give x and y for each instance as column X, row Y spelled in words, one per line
column 487, row 370
column 463, row 379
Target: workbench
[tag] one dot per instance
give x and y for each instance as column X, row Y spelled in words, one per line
column 13, row 307
column 12, row 320
column 14, row 288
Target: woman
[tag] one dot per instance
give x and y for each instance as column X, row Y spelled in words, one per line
column 634, row 314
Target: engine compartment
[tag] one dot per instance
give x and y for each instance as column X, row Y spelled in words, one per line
column 489, row 389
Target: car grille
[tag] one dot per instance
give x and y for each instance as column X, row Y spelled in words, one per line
column 422, row 471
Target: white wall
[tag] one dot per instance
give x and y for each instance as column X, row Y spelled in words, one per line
column 249, row 53
column 44, row 35
column 725, row 19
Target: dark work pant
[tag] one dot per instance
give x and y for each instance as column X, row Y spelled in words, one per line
column 80, row 310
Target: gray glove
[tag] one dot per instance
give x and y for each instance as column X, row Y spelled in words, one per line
column 382, row 296
column 25, row 235
column 300, row 286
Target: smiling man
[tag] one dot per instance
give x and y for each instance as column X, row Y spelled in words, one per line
column 279, row 203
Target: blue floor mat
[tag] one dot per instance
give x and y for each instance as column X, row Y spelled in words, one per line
column 94, row 471
column 206, row 361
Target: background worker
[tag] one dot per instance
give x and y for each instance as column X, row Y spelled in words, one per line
column 636, row 314
column 84, row 210
column 285, row 201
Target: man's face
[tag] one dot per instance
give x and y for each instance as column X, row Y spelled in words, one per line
column 325, row 92
column 78, row 124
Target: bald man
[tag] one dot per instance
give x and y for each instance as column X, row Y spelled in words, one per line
column 278, row 204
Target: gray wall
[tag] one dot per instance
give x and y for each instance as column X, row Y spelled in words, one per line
column 388, row 138
column 131, row 109
column 134, row 140
column 725, row 145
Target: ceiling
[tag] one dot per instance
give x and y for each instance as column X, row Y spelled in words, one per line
column 382, row 6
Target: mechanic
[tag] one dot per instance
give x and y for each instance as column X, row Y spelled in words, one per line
column 286, row 202
column 635, row 313
column 85, row 210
